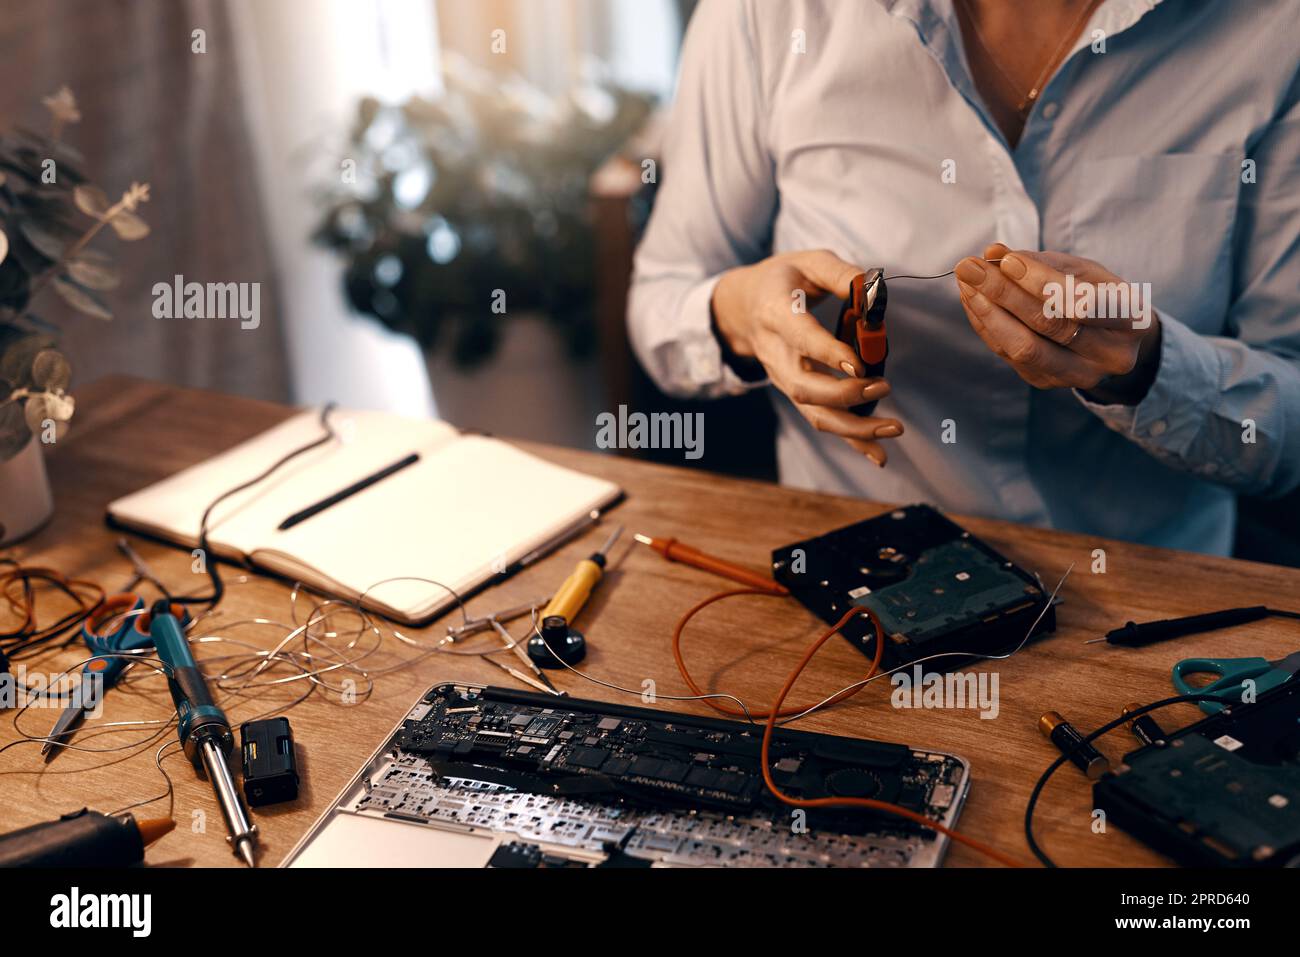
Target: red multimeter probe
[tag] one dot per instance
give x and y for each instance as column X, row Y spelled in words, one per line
column 862, row 326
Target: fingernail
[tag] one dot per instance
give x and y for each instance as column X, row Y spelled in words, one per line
column 970, row 271
column 890, row 431
column 976, row 301
column 877, row 390
column 876, row 457
column 1014, row 266
column 848, row 369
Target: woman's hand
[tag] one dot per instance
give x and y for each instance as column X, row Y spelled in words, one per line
column 761, row 311
column 1027, row 312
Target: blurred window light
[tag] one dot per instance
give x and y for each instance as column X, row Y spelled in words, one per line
column 412, row 185
column 443, row 243
column 406, row 31
column 553, row 43
column 388, row 271
column 306, row 64
column 642, row 45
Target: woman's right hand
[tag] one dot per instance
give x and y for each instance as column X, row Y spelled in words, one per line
column 761, row 311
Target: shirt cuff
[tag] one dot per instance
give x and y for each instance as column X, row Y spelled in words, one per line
column 1186, row 389
column 702, row 351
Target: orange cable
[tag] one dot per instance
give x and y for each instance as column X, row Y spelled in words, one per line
column 729, row 709
column 776, row 711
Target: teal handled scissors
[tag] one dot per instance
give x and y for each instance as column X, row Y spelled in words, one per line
column 1233, row 674
column 117, row 627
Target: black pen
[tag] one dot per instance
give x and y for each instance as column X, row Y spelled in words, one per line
column 348, row 492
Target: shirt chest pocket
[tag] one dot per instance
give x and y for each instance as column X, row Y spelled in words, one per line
column 1167, row 220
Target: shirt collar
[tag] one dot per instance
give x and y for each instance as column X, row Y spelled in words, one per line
column 932, row 16
column 935, row 22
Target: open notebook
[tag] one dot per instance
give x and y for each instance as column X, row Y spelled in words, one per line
column 469, row 508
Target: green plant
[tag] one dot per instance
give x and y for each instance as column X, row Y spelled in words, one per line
column 454, row 210
column 43, row 194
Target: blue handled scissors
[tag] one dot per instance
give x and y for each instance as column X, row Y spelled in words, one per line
column 118, row 625
column 1233, row 674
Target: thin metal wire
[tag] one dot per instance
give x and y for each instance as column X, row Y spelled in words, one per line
column 109, row 727
column 942, row 275
column 825, row 701
column 169, row 793
column 640, row 694
column 319, row 657
column 944, row 654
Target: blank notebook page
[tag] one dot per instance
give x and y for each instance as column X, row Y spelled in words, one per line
column 367, row 442
column 466, row 510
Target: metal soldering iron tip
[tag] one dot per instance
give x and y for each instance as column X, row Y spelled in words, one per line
column 244, row 849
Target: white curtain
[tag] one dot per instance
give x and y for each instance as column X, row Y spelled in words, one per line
column 304, row 65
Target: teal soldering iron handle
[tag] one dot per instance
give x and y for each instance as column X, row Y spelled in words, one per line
column 202, row 725
column 198, row 715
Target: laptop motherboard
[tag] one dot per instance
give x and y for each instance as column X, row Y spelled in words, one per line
column 564, row 782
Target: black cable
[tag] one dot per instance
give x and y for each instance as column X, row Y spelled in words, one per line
column 942, row 275
column 1110, row 726
column 218, row 587
column 23, row 641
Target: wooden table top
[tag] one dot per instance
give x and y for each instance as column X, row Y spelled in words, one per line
column 130, row 433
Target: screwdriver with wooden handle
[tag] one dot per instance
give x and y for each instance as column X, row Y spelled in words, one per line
column 573, row 594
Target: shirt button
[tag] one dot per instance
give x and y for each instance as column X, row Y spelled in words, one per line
column 1050, row 110
column 1157, row 428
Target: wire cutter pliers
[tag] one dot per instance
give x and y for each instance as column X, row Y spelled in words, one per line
column 862, row 326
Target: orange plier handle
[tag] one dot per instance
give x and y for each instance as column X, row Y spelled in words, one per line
column 862, row 326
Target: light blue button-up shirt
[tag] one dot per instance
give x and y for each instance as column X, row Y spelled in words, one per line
column 1166, row 147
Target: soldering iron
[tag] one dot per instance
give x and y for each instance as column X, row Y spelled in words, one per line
column 202, row 726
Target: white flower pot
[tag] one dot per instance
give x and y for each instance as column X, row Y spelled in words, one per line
column 25, row 500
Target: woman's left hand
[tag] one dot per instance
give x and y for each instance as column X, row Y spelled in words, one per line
column 1041, row 323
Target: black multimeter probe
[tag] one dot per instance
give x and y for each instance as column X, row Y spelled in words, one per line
column 1134, row 635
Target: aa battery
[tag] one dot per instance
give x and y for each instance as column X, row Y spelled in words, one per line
column 1144, row 728
column 1070, row 742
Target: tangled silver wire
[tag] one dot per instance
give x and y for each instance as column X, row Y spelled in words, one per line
column 314, row 653
column 825, row 702
column 320, row 655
